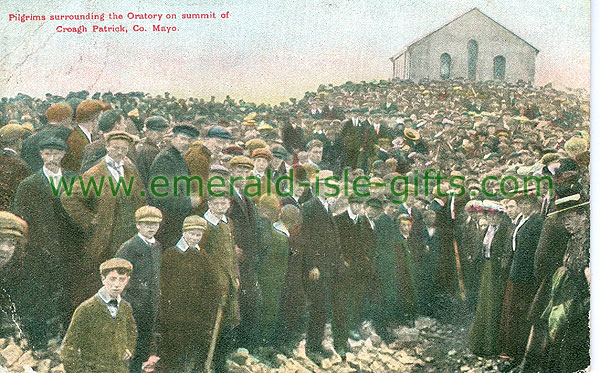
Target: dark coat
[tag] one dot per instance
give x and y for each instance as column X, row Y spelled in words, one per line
column 169, row 163
column 355, row 138
column 76, row 142
column 142, row 291
column 146, row 155
column 293, row 138
column 13, row 170
column 528, row 236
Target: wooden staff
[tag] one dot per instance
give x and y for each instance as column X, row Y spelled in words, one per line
column 215, row 334
column 461, row 283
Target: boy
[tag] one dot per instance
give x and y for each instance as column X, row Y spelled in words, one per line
column 102, row 334
column 143, row 251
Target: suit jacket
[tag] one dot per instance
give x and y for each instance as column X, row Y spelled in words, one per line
column 142, row 290
column 527, row 238
column 170, row 163
column 76, row 142
column 353, row 139
column 146, row 155
column 321, row 247
column 293, row 138
column 242, row 213
column 13, row 170
column 93, row 153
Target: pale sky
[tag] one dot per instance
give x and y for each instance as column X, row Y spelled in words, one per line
column 267, row 51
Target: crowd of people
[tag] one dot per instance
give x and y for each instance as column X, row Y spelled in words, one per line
column 318, row 211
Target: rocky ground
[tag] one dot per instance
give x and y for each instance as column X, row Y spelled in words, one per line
column 428, row 347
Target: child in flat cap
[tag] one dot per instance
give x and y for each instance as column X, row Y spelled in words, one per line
column 143, row 251
column 102, row 334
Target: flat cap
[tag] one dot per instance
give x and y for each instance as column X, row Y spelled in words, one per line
column 12, row 225
column 355, row 199
column 253, row 144
column 269, row 201
column 262, row 153
column 118, row 135
column 52, row 143
column 241, row 161
column 108, row 119
column 59, row 112
column 218, row 169
column 186, row 130
column 315, row 143
column 194, row 222
column 411, row 134
column 116, row 263
column 12, row 131
column 280, row 152
column 234, row 150
column 404, row 218
column 148, row 214
column 156, row 123
column 219, row 133
column 88, row 109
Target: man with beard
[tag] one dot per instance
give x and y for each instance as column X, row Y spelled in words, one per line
column 48, row 258
column 170, row 167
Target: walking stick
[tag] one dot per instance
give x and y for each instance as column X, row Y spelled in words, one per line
column 461, row 283
column 215, row 334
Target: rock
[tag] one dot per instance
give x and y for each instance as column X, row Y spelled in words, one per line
column 429, row 359
column 240, row 356
column 11, row 354
column 464, row 368
column 422, row 323
column 280, row 359
column 58, row 369
column 364, row 367
column 351, row 358
column 407, row 335
column 375, row 340
column 3, row 342
column 326, row 364
column 336, row 359
column 363, row 356
column 44, row 366
column 376, row 366
column 452, row 352
column 27, row 359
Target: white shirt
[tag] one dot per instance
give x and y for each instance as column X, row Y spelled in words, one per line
column 431, row 231
column 149, row 242
column 371, row 222
column 53, row 178
column 487, row 240
column 212, row 219
column 183, row 246
column 105, row 299
column 11, row 151
column 352, row 216
column 355, row 122
column 255, row 173
column 86, row 133
column 324, row 203
column 116, row 169
column 281, row 228
column 514, row 235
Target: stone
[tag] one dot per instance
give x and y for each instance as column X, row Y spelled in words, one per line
column 375, row 340
column 336, row 359
column 44, row 366
column 452, row 352
column 363, row 356
column 58, row 369
column 240, row 356
column 280, row 359
column 26, row 359
column 3, row 343
column 351, row 358
column 11, row 354
column 424, row 323
column 429, row 359
column 464, row 368
column 376, row 366
column 326, row 364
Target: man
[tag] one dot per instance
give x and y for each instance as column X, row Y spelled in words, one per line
column 156, row 127
column 170, row 164
column 292, row 136
column 59, row 117
column 300, row 190
column 102, row 334
column 323, row 266
column 262, row 158
column 48, row 255
column 198, row 160
column 87, row 115
column 357, row 241
column 106, row 215
column 358, row 140
column 109, row 120
column 143, row 251
column 243, row 216
column 520, row 286
column 13, row 169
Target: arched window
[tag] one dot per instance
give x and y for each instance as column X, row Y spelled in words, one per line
column 473, row 50
column 499, row 67
column 445, row 63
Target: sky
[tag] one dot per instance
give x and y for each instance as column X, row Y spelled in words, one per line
column 266, row 51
